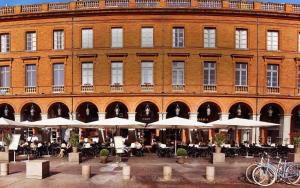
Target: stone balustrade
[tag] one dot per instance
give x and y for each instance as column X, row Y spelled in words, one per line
column 105, row 4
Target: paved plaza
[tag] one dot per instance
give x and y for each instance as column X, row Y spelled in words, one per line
column 146, row 172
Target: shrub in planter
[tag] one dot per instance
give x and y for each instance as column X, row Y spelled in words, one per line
column 219, row 139
column 104, row 155
column 297, row 144
column 74, row 141
column 181, row 155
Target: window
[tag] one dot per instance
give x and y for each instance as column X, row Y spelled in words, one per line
column 147, row 37
column 31, row 75
column 299, row 76
column 4, row 76
column 4, row 42
column 87, row 38
column 31, row 41
column 298, row 42
column 117, row 37
column 58, row 74
column 147, row 73
column 59, row 38
column 178, row 37
column 241, row 38
column 272, row 76
column 272, row 40
column 116, row 73
column 209, row 73
column 178, row 73
column 241, row 74
column 209, row 38
column 87, row 74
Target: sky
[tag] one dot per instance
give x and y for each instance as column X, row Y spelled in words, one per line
column 18, row 2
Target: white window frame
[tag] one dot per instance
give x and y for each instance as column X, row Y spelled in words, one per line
column 211, row 68
column 273, row 40
column 178, row 73
column 31, row 72
column 147, row 37
column 147, row 73
column 58, row 80
column 178, row 37
column 272, row 71
column 87, row 74
column 31, row 41
column 5, row 42
column 117, row 72
column 58, row 40
column 117, row 37
column 209, row 37
column 5, row 76
column 241, row 38
column 87, row 38
column 241, row 74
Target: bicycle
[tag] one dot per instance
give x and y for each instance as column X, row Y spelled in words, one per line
column 267, row 173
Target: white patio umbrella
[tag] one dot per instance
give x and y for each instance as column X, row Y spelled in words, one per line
column 6, row 123
column 178, row 123
column 58, row 122
column 116, row 123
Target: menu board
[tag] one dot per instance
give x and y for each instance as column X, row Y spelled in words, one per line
column 14, row 142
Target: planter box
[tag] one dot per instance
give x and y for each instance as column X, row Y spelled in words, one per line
column 37, row 169
column 218, row 158
column 294, row 157
column 6, row 156
column 75, row 157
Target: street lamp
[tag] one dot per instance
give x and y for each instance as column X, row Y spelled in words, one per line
column 208, row 110
column 177, row 110
column 147, row 110
column 6, row 111
column 239, row 110
column 87, row 110
column 32, row 111
column 117, row 110
column 59, row 110
column 270, row 111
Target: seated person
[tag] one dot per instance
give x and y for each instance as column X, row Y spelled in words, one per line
column 63, row 148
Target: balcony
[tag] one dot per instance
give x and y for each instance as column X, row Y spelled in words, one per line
column 177, row 88
column 30, row 89
column 241, row 89
column 273, row 90
column 31, row 8
column 273, row 7
column 58, row 89
column 147, row 87
column 116, row 3
column 4, row 90
column 178, row 3
column 87, row 88
column 210, row 88
column 116, row 88
column 58, row 6
column 236, row 4
column 87, row 4
column 213, row 4
column 147, row 3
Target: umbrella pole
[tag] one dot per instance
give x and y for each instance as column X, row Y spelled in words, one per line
column 175, row 143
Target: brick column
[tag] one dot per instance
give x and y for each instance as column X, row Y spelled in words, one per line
column 17, row 117
column 162, row 115
column 44, row 116
column 225, row 4
column 194, row 117
column 257, row 6
column 131, row 115
column 288, row 8
column 255, row 131
column 224, row 116
column 101, row 115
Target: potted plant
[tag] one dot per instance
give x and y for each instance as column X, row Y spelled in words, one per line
column 7, row 140
column 104, row 155
column 297, row 144
column 74, row 141
column 181, row 155
column 219, row 139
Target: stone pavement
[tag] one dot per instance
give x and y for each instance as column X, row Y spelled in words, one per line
column 146, row 172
